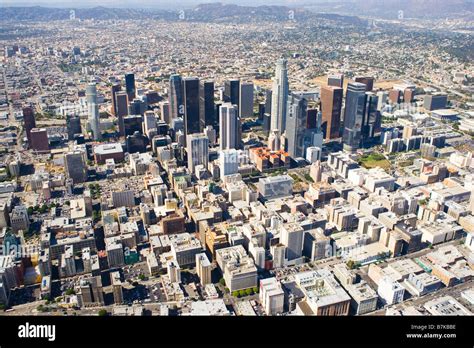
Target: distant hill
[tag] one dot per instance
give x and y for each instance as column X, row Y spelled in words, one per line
column 215, row 12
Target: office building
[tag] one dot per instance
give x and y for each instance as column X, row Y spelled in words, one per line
column 246, row 99
column 331, row 104
column 280, row 91
column 93, row 111
column 39, row 140
column 229, row 127
column 271, row 296
column 373, row 119
column 191, row 105
column 390, row 291
column 175, row 96
column 275, row 186
column 130, row 86
column 76, row 166
column 322, row 294
column 29, row 122
column 116, row 287
column 228, row 162
column 238, row 268
column 292, row 237
column 354, row 116
column 113, row 92
column 207, row 109
column 197, row 150
column 336, row 80
column 232, row 91
column 115, row 255
column 73, row 125
column 435, row 102
column 91, row 292
column 121, row 103
column 203, row 269
column 367, row 81
column 296, row 124
column 184, row 248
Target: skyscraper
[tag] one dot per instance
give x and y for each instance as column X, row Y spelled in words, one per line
column 73, row 125
column 91, row 96
column 280, row 92
column 373, row 119
column 165, row 112
column 331, row 104
column 175, row 96
column 121, row 102
column 368, row 81
column 29, row 121
column 114, row 89
column 296, row 124
column 336, row 80
column 75, row 165
column 207, row 110
column 229, row 124
column 191, row 105
column 130, row 86
column 197, row 150
column 39, row 140
column 354, row 115
column 232, row 91
column 246, row 99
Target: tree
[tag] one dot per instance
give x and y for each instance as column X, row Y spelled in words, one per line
column 255, row 290
column 222, row 281
column 235, row 293
column 141, row 277
column 241, row 293
column 102, row 313
column 248, row 292
column 70, row 291
column 2, row 307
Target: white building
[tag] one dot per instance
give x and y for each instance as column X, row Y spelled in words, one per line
column 271, row 296
column 197, row 150
column 390, row 291
column 203, row 269
column 228, row 162
column 313, row 154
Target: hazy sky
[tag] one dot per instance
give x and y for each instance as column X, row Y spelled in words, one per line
column 146, row 3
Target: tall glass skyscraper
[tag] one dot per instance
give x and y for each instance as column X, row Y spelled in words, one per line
column 91, row 97
column 130, row 86
column 175, row 96
column 191, row 105
column 372, row 119
column 207, row 110
column 280, row 92
column 229, row 124
column 354, row 116
column 232, row 91
column 296, row 118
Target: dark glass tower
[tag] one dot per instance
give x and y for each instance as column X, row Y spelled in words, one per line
column 115, row 88
column 232, row 91
column 207, row 110
column 191, row 105
column 130, row 86
column 372, row 119
column 354, row 116
column 29, row 121
column 175, row 96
